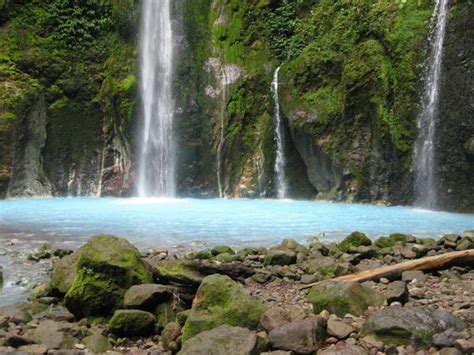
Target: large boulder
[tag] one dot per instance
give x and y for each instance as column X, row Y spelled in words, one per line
column 302, row 337
column 280, row 257
column 344, row 297
column 146, row 296
column 397, row 325
column 132, row 322
column 355, row 239
column 97, row 343
column 220, row 300
column 107, row 266
column 222, row 340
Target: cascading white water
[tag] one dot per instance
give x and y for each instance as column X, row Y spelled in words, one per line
column 425, row 153
column 280, row 161
column 157, row 160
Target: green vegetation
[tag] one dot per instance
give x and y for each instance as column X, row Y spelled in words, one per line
column 355, row 239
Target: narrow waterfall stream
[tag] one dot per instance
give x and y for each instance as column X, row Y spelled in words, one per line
column 157, row 155
column 280, row 160
column 426, row 183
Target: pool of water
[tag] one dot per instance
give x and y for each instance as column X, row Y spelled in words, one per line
column 165, row 222
column 187, row 223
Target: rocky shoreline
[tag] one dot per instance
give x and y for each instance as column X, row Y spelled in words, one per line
column 107, row 297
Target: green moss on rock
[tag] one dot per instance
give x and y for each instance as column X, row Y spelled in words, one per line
column 355, row 239
column 107, row 266
column 218, row 301
column 132, row 323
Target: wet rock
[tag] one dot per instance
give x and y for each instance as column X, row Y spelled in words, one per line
column 222, row 340
column 344, row 349
column 280, row 257
column 107, row 267
column 409, row 276
column 465, row 345
column 97, row 343
column 343, row 297
column 397, row 291
column 303, row 337
column 132, row 322
column 220, row 300
column 146, row 296
column 339, row 329
column 397, row 325
column 221, row 249
column 274, row 317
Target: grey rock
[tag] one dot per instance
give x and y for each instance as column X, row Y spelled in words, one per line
column 222, row 340
column 397, row 291
column 170, row 333
column 446, row 338
column 55, row 335
column 15, row 340
column 409, row 276
column 304, row 336
column 309, row 279
column 449, row 351
column 17, row 313
column 280, row 257
column 146, row 296
column 402, row 325
column 273, row 318
column 465, row 243
column 339, row 329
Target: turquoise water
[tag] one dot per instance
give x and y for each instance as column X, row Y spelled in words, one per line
column 167, row 222
column 185, row 224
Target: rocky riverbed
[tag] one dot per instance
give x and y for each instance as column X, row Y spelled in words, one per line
column 107, row 297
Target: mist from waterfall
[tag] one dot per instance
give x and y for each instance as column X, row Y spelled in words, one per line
column 426, row 182
column 157, row 153
column 280, row 161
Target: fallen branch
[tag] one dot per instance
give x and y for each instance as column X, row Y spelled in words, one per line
column 431, row 263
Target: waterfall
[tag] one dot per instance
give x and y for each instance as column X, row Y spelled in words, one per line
column 280, row 161
column 425, row 152
column 157, row 155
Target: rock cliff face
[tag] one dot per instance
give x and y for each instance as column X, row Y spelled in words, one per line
column 28, row 177
column 349, row 82
column 456, row 115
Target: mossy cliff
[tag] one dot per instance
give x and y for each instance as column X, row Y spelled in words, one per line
column 350, row 84
column 79, row 58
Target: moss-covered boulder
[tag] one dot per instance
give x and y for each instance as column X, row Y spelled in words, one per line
column 343, row 297
column 220, row 300
column 107, row 266
column 97, row 343
column 391, row 240
column 280, row 257
column 355, row 239
column 132, row 322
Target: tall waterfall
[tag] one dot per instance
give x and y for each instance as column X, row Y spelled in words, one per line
column 425, row 152
column 280, row 161
column 157, row 159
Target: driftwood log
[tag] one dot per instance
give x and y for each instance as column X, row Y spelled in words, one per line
column 431, row 263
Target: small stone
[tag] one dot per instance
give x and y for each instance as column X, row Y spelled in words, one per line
column 397, row 291
column 417, row 292
column 371, row 342
column 339, row 329
column 80, row 346
column 408, row 253
column 384, row 281
column 449, row 351
column 409, row 276
column 465, row 345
